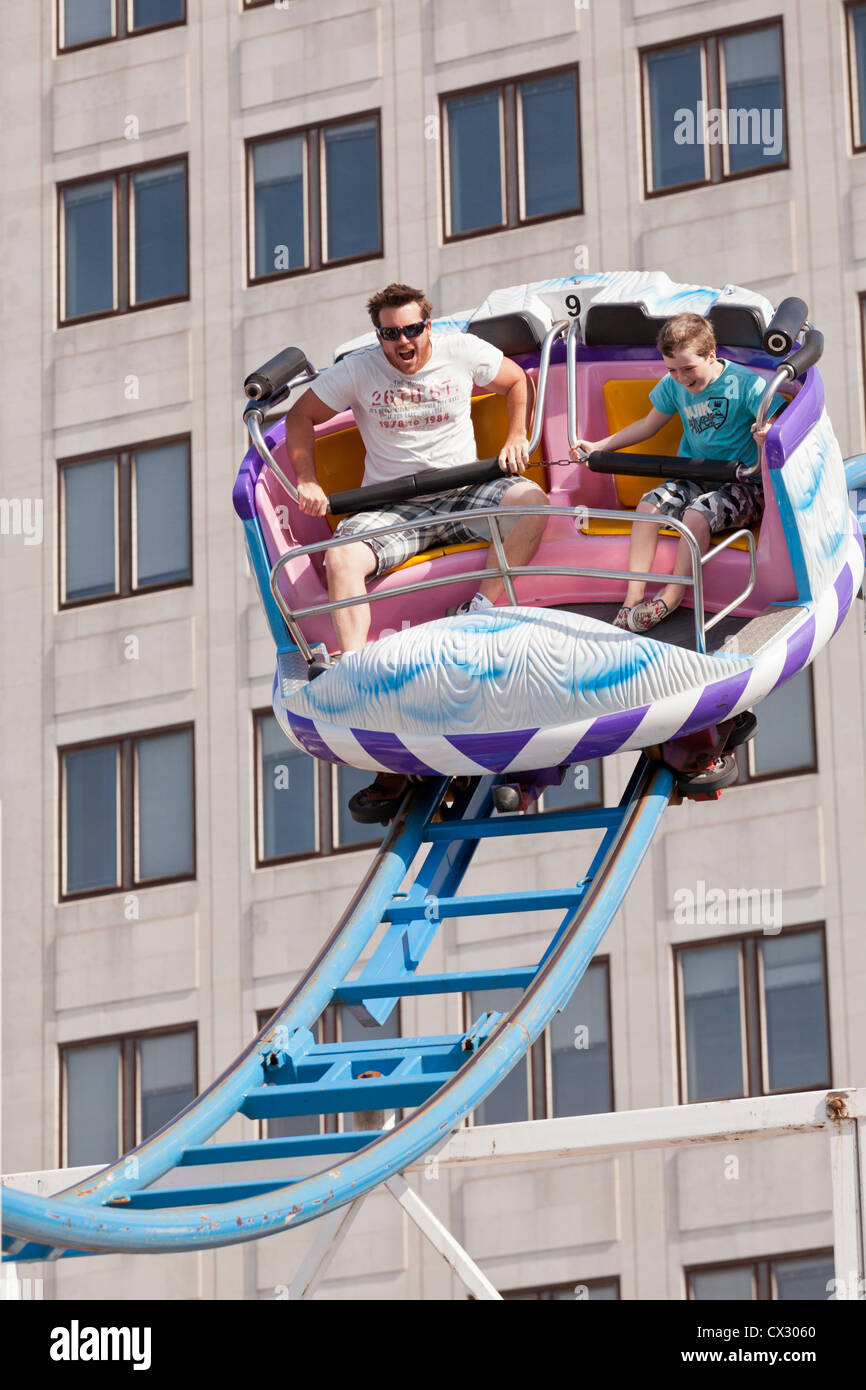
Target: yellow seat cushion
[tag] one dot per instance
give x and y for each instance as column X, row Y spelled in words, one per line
column 625, row 402
column 596, row 527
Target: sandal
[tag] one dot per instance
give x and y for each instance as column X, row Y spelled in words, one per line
column 646, row 615
column 380, row 801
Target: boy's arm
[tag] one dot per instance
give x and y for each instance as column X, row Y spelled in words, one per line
column 632, row 434
column 304, row 415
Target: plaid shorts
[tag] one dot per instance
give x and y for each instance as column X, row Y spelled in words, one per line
column 726, row 507
column 435, row 528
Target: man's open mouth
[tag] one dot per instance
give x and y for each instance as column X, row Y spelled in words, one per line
column 406, row 354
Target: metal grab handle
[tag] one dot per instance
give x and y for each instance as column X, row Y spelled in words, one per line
column 785, row 373
column 503, row 570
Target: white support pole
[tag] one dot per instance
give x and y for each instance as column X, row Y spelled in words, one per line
column 314, row 1266
column 442, row 1240
column 847, row 1171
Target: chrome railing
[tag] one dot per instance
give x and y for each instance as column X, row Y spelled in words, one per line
column 508, row 573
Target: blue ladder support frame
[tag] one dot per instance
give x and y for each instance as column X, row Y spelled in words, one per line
column 79, row 1221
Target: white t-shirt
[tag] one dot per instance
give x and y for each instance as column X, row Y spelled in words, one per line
column 412, row 422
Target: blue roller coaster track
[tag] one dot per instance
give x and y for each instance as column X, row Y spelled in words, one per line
column 435, row 1081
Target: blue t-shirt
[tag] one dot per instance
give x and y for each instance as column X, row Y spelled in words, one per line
column 717, row 422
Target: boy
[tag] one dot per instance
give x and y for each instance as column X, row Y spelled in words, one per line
column 718, row 403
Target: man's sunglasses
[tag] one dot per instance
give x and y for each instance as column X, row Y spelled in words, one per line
column 411, row 330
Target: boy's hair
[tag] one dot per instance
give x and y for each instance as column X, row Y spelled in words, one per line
column 686, row 333
column 394, row 297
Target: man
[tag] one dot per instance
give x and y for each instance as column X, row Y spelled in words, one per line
column 411, row 399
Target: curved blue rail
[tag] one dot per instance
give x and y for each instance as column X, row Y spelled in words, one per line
column 284, row 1072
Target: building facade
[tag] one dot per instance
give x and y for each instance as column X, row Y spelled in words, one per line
column 190, row 187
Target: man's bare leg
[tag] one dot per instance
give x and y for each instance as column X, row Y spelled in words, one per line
column 348, row 568
column 522, row 541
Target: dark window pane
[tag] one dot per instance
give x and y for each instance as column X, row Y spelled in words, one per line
column 92, row 1103
column 89, row 248
column 806, row 1278
column 352, row 1031
column 711, row 990
column 146, row 13
column 86, row 20
column 580, row 1049
column 349, row 831
column 736, row 1283
column 279, row 201
column 352, row 190
column 474, row 157
column 510, row 1100
column 90, row 528
column 796, row 1020
column 288, row 779
column 675, row 88
column 159, row 199
column 753, row 84
column 161, row 499
column 550, row 146
column 858, row 39
column 166, row 1079
column 581, row 786
column 785, row 739
column 91, row 818
column 165, row 806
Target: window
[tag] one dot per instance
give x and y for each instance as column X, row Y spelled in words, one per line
column 568, row 1071
column 753, row 1015
column 856, row 17
column 127, row 812
column 784, row 743
column 123, row 240
column 336, row 1024
column 805, row 1278
column 301, row 803
column 314, row 198
column 586, row 1289
column 81, row 23
column 126, row 522
column 714, row 108
column 117, row 1092
column 511, row 154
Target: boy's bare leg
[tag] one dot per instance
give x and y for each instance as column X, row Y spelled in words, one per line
column 672, row 594
column 348, row 568
column 641, row 553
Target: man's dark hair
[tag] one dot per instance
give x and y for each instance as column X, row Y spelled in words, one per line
column 394, row 297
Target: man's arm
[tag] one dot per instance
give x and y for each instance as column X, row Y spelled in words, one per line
column 305, row 414
column 510, row 382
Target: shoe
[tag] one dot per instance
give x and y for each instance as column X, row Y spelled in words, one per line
column 647, row 615
column 621, row 619
column 380, row 801
column 458, row 609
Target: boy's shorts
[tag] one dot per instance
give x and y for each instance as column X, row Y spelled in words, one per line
column 725, row 508
column 439, row 528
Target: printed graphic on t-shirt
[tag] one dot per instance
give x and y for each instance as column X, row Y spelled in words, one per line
column 705, row 417
column 419, row 406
